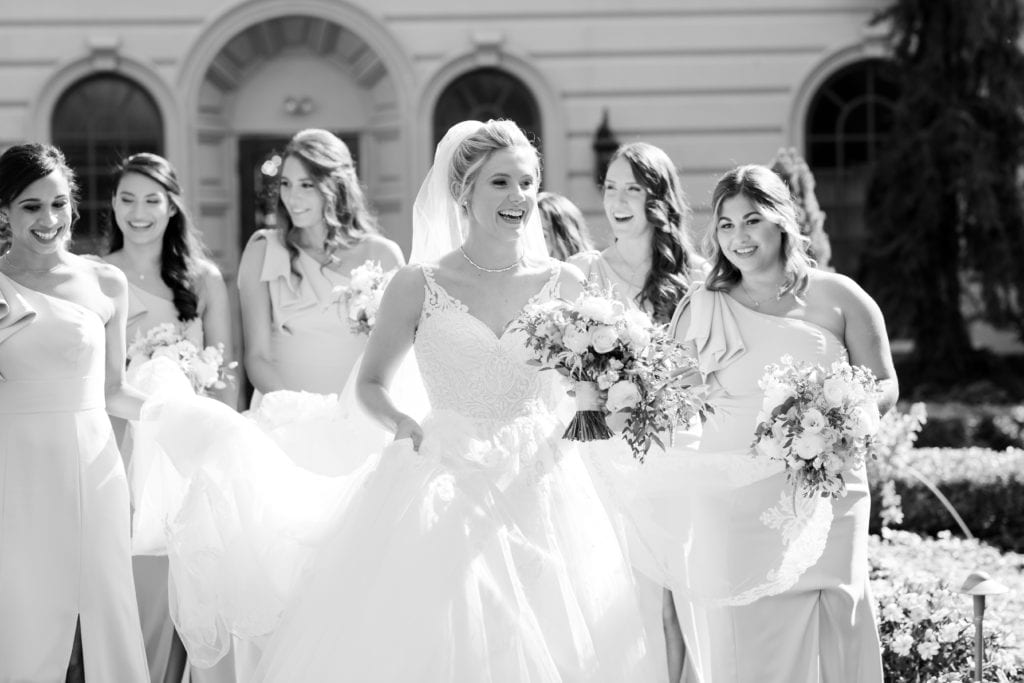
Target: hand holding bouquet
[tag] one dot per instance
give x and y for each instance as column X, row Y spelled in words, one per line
column 818, row 421
column 616, row 355
column 204, row 368
column 363, row 294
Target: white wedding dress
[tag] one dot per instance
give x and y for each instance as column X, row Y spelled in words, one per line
column 486, row 556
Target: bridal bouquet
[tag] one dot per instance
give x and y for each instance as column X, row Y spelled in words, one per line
column 363, row 294
column 204, row 368
column 616, row 355
column 818, row 421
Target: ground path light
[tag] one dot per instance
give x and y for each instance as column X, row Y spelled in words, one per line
column 979, row 585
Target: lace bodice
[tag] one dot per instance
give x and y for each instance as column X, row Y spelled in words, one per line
column 468, row 370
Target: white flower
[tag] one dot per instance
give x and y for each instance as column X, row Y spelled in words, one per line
column 892, row 612
column 813, row 421
column 637, row 329
column 362, row 278
column 809, row 446
column 775, row 394
column 575, row 339
column 836, row 390
column 902, row 643
column 604, row 338
column 597, row 309
column 771, row 448
column 864, row 420
column 203, row 371
column 928, row 649
column 169, row 352
column 949, row 633
column 622, row 395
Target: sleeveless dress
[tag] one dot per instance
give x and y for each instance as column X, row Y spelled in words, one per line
column 146, row 311
column 64, row 523
column 486, row 556
column 313, row 346
column 822, row 626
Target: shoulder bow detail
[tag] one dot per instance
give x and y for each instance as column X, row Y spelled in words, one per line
column 15, row 311
column 714, row 330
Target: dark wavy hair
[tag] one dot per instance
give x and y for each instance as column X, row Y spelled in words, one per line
column 22, row 165
column 768, row 192
column 564, row 226
column 181, row 248
column 328, row 162
column 669, row 215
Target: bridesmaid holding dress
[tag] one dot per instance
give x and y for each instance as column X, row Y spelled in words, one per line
column 155, row 243
column 764, row 299
column 292, row 278
column 650, row 266
column 291, row 281
column 67, row 600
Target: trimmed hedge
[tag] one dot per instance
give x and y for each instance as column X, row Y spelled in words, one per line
column 962, row 425
column 986, row 487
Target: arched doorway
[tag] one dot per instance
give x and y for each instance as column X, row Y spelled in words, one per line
column 264, row 79
column 848, row 121
column 98, row 121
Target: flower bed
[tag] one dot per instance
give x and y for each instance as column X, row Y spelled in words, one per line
column 926, row 626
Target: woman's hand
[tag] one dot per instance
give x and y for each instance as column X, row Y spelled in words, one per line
column 408, row 428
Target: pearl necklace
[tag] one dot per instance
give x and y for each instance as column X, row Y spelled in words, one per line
column 30, row 271
column 489, row 270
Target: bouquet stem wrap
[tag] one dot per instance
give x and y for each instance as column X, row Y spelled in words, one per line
column 588, row 424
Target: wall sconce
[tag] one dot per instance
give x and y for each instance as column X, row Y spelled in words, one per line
column 605, row 144
column 298, row 106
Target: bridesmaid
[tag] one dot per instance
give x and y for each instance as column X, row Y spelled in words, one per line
column 291, row 278
column 67, row 602
column 651, row 263
column 565, row 229
column 764, row 299
column 170, row 280
column 295, row 324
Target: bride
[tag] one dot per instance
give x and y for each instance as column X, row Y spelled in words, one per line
column 477, row 550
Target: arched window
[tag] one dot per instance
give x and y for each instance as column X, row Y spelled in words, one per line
column 98, row 121
column 487, row 93
column 848, row 121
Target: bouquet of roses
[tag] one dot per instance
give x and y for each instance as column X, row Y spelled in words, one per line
column 363, row 294
column 204, row 368
column 818, row 421
column 617, row 355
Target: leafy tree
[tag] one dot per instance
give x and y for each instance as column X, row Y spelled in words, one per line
column 944, row 203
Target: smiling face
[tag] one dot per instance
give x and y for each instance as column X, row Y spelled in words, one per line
column 748, row 239
column 300, row 195
column 625, row 200
column 142, row 209
column 40, row 217
column 505, row 192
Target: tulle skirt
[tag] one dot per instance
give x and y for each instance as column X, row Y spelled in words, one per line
column 484, row 557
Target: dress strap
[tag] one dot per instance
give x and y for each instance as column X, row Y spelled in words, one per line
column 436, row 298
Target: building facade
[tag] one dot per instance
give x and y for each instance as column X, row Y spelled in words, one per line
column 217, row 86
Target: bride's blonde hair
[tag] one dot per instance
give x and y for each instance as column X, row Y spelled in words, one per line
column 473, row 152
